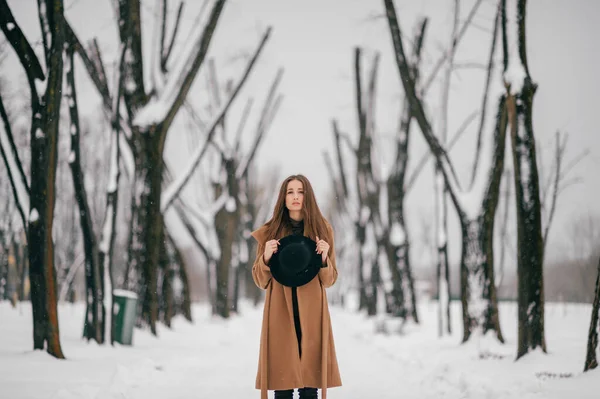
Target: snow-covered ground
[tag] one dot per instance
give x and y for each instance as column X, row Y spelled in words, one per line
column 217, row 359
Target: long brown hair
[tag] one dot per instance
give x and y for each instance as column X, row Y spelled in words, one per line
column 314, row 223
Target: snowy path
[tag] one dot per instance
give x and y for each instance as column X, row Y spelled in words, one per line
column 217, row 359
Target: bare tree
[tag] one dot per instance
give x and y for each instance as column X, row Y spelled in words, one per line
column 397, row 240
column 476, row 210
column 591, row 360
column 95, row 311
column 151, row 108
column 228, row 191
column 45, row 90
column 530, row 240
column 557, row 180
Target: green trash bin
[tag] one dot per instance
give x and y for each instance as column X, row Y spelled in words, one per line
column 125, row 304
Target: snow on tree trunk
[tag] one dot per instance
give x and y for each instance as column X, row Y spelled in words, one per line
column 94, row 310
column 479, row 299
column 529, row 238
column 530, row 245
column 44, row 152
column 476, row 304
column 591, row 359
column 441, row 204
column 16, row 175
column 368, row 226
column 109, row 230
column 105, row 255
column 402, row 300
column 442, row 267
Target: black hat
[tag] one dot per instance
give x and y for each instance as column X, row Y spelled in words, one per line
column 296, row 261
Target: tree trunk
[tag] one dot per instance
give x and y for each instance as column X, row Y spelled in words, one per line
column 186, row 304
column 238, row 268
column 94, row 311
column 591, row 359
column 44, row 151
column 168, row 276
column 478, row 306
column 399, row 242
column 147, row 223
column 226, row 224
column 363, row 300
column 442, row 266
column 441, row 194
column 251, row 291
column 24, row 294
column 479, row 299
column 530, row 245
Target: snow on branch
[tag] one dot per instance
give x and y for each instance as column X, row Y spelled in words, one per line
column 27, row 57
column 515, row 72
column 15, row 36
column 173, row 190
column 164, row 107
column 16, row 175
column 115, row 145
column 95, row 69
column 157, row 64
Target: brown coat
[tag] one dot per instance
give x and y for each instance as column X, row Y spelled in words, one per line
column 279, row 364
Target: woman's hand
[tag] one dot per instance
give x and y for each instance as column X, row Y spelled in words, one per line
column 322, row 248
column 270, row 248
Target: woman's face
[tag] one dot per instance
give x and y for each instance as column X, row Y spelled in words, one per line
column 294, row 197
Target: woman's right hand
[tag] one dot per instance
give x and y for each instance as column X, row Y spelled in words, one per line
column 270, row 248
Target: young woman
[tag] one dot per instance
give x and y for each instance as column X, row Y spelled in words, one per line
column 296, row 343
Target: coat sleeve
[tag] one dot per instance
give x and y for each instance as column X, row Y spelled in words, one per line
column 261, row 273
column 329, row 274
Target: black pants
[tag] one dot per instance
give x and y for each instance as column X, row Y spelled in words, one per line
column 305, row 393
column 297, row 318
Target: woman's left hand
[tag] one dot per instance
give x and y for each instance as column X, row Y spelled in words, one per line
column 322, row 248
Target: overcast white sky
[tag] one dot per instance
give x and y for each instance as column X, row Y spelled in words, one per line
column 314, row 39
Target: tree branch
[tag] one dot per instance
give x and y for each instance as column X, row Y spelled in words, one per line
column 268, row 113
column 446, row 54
column 19, row 43
column 490, row 69
column 417, row 107
column 173, row 191
column 16, row 175
column 423, row 161
column 242, row 125
column 167, row 54
column 163, row 110
column 340, row 159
